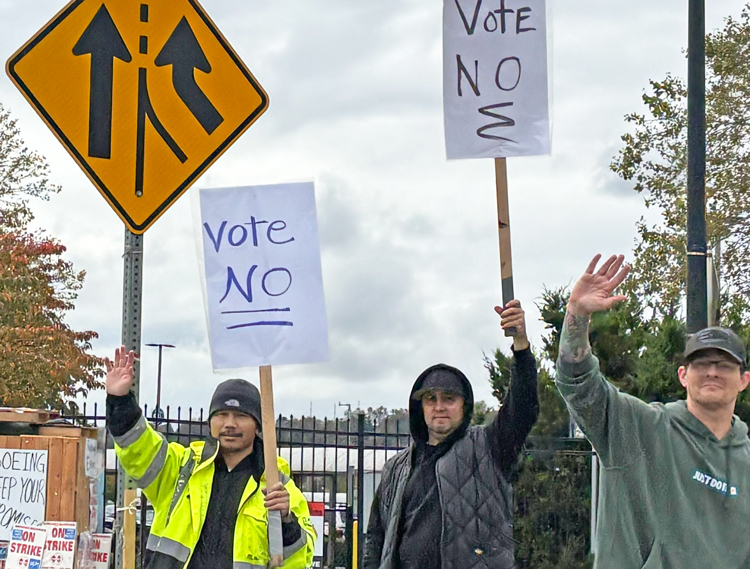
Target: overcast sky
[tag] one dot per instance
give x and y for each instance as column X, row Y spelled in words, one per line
column 408, row 239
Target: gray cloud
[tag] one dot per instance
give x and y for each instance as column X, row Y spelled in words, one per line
column 408, row 240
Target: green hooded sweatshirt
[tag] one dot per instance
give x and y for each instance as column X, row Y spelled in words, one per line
column 672, row 496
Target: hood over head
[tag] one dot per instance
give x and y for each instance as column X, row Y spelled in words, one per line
column 439, row 376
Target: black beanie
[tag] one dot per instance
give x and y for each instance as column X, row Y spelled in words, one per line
column 237, row 395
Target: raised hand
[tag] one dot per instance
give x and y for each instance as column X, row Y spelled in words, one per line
column 593, row 291
column 120, row 372
column 513, row 316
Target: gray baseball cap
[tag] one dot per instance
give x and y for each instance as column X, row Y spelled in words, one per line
column 440, row 379
column 716, row 338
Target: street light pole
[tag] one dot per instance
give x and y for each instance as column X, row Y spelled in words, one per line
column 158, row 375
column 697, row 302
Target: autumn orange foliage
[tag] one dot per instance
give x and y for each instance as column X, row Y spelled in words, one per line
column 43, row 362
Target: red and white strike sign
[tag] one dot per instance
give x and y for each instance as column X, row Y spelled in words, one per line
column 102, row 543
column 26, row 547
column 60, row 545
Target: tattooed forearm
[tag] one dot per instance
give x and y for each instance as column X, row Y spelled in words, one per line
column 574, row 340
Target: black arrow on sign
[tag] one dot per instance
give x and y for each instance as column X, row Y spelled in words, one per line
column 103, row 41
column 183, row 52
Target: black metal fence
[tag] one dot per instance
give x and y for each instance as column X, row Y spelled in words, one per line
column 337, row 463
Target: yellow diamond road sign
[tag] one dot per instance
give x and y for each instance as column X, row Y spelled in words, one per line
column 144, row 94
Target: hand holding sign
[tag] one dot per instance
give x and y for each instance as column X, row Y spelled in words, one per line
column 495, row 93
column 513, row 316
column 277, row 498
column 120, row 372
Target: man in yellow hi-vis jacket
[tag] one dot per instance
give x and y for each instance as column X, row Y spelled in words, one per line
column 210, row 499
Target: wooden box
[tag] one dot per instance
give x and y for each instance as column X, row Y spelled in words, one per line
column 67, row 485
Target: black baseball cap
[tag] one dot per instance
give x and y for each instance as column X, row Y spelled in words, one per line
column 717, row 338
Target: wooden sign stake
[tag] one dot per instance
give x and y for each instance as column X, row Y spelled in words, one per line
column 503, row 225
column 275, row 542
column 128, row 528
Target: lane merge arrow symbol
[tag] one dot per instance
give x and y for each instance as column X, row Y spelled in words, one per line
column 145, row 95
column 183, row 52
column 102, row 40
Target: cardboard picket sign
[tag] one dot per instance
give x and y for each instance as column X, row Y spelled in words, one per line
column 262, row 276
column 26, row 547
column 102, row 547
column 495, row 94
column 263, row 289
column 3, row 553
column 59, row 545
column 23, row 488
column 495, row 89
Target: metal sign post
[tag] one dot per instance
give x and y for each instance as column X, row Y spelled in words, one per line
column 131, row 339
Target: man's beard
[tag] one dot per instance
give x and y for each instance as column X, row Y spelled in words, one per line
column 712, row 403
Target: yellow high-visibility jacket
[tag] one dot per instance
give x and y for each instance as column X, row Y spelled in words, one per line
column 177, row 481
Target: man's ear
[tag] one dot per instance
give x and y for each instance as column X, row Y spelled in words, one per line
column 744, row 380
column 682, row 374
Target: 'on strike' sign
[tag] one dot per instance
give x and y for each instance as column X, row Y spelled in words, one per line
column 495, row 78
column 263, row 279
column 26, row 547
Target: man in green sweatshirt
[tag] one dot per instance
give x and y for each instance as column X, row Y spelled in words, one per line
column 675, row 483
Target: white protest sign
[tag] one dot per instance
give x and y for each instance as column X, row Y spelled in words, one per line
column 495, row 78
column 26, row 547
column 23, row 488
column 101, row 549
column 60, row 545
column 263, row 282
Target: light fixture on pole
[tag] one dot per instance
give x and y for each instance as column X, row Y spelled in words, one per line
column 158, row 410
column 348, row 406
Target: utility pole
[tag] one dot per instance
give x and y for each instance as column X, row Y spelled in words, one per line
column 697, row 302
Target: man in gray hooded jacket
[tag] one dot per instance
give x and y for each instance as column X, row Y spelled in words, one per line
column 446, row 502
column 675, row 483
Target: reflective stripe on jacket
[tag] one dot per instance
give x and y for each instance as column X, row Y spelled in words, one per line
column 155, row 466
